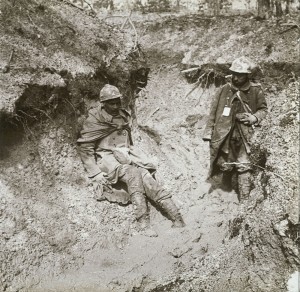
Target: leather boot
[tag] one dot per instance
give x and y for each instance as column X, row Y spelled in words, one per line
column 172, row 212
column 144, row 227
column 139, row 205
column 226, row 181
column 244, row 185
column 141, row 214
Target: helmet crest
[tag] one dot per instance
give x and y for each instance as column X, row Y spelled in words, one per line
column 241, row 65
column 109, row 92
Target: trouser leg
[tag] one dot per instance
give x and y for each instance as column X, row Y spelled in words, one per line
column 244, row 185
column 132, row 177
column 142, row 215
column 227, row 181
column 139, row 206
column 244, row 170
column 168, row 206
column 162, row 198
column 237, row 162
column 225, row 171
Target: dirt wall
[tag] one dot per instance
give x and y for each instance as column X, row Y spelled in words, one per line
column 54, row 60
column 57, row 237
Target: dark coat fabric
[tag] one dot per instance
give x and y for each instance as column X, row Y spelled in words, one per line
column 219, row 127
column 98, row 125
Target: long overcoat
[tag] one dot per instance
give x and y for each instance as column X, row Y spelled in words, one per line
column 219, row 126
column 96, row 127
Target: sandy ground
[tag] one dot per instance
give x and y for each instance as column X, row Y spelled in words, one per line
column 57, row 237
column 138, row 261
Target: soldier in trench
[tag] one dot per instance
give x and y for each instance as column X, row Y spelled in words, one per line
column 236, row 110
column 110, row 159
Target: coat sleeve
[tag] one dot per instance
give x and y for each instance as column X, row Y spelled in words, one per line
column 212, row 116
column 87, row 155
column 262, row 108
column 86, row 150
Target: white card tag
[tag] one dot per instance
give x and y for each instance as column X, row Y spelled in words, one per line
column 226, row 111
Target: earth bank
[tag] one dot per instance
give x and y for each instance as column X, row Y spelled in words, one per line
column 56, row 237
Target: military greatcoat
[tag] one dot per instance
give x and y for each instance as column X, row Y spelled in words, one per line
column 220, row 127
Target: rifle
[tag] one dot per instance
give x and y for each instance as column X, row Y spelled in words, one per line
column 246, row 108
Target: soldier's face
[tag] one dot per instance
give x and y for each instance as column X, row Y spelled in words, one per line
column 239, row 79
column 112, row 106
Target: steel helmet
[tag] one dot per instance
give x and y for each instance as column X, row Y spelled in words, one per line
column 109, row 92
column 241, row 65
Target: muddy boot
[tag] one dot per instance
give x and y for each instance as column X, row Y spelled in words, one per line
column 139, row 205
column 141, row 214
column 244, row 185
column 144, row 226
column 234, row 182
column 226, row 181
column 172, row 212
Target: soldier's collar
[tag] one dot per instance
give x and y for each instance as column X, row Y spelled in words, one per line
column 245, row 87
column 109, row 117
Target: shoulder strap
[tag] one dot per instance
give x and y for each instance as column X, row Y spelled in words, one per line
column 255, row 84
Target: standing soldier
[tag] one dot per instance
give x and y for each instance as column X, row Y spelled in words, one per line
column 237, row 108
column 108, row 155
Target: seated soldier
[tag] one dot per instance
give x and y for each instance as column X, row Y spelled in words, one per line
column 109, row 157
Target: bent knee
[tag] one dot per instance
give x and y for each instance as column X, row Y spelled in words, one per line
column 131, row 169
column 130, row 172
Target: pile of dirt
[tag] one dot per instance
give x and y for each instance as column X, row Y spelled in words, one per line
column 193, row 36
column 56, row 45
column 210, row 44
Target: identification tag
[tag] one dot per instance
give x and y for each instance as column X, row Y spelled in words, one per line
column 226, row 111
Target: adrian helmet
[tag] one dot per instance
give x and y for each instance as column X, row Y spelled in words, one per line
column 241, row 65
column 109, row 92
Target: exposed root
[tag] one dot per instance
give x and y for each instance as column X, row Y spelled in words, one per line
column 204, row 80
column 43, row 112
column 196, row 84
column 26, row 114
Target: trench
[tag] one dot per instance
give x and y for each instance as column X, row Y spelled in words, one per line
column 64, row 240
column 41, row 170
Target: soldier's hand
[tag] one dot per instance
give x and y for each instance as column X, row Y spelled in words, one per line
column 247, row 118
column 101, row 178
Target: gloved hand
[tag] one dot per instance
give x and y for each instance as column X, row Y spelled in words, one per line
column 122, row 155
column 246, row 118
column 101, row 178
column 101, row 184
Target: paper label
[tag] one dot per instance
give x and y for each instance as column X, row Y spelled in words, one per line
column 226, row 111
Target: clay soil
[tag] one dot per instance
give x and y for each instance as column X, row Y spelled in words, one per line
column 56, row 237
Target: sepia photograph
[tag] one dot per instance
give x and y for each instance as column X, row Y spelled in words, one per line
column 149, row 145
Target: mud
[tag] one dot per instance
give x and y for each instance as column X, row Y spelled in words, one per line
column 56, row 237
